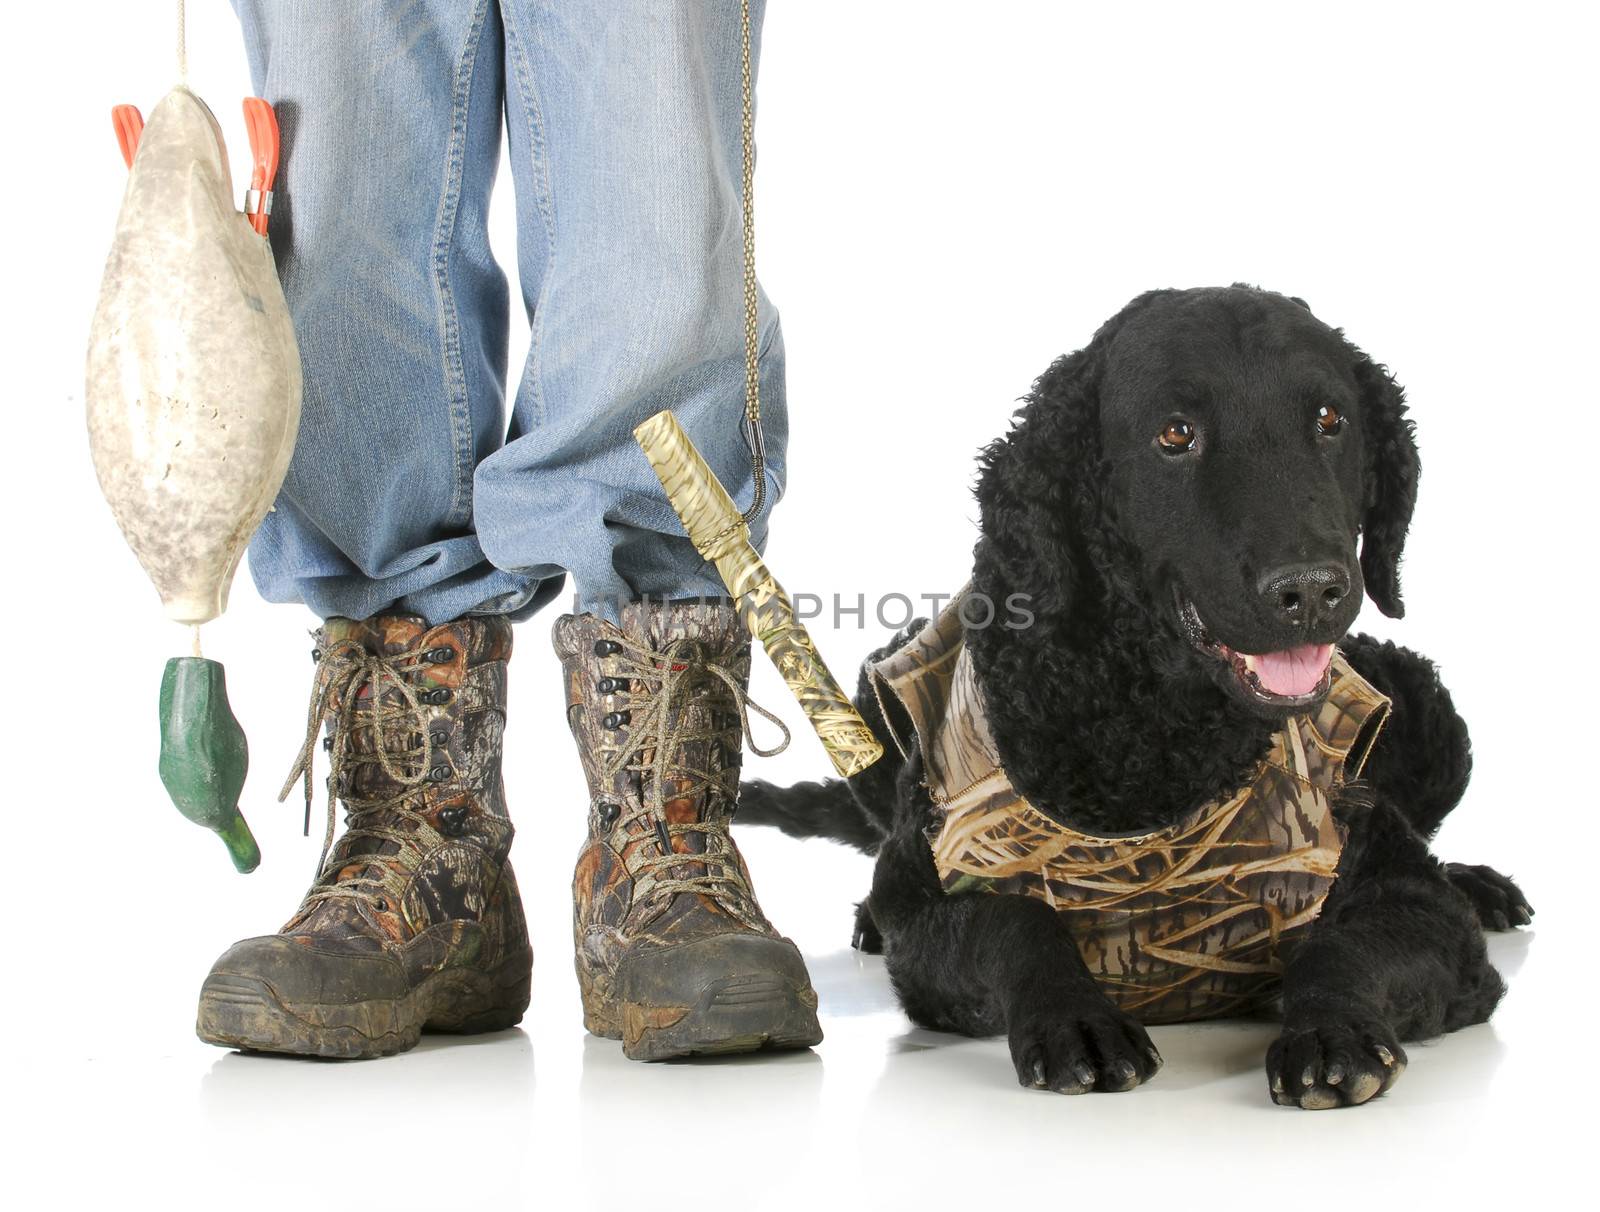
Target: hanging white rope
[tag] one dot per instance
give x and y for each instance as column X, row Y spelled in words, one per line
column 183, row 45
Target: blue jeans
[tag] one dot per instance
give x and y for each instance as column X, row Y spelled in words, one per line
column 408, row 489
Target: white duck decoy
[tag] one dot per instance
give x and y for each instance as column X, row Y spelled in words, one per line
column 193, row 376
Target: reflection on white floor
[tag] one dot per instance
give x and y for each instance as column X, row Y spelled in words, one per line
column 881, row 1114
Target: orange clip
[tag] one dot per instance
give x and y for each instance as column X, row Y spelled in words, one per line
column 128, row 122
column 262, row 125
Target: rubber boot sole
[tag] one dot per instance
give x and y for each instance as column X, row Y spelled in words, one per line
column 715, row 996
column 240, row 1010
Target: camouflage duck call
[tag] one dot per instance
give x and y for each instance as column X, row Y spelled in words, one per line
column 719, row 532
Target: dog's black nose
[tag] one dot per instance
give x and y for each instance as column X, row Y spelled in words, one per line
column 1304, row 593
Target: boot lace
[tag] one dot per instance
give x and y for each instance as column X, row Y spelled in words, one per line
column 678, row 677
column 399, row 731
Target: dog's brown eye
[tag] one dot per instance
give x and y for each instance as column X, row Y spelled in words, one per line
column 1177, row 436
column 1329, row 420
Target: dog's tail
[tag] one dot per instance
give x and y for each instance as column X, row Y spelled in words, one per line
column 827, row 809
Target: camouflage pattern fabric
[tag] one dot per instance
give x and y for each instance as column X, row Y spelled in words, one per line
column 1180, row 924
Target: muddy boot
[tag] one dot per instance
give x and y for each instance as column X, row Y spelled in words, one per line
column 414, row 922
column 674, row 955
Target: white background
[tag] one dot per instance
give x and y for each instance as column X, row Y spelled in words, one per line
column 950, row 196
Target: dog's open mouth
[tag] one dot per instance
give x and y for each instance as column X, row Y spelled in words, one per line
column 1287, row 679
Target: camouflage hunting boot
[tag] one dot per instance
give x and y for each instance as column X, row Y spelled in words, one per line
column 414, row 921
column 674, row 955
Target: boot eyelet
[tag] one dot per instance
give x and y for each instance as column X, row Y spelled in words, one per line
column 316, row 655
column 605, row 648
column 435, row 698
column 611, row 685
column 453, row 821
column 439, row 774
column 608, row 813
column 439, row 737
column 616, row 719
column 383, row 906
column 440, row 656
column 327, row 744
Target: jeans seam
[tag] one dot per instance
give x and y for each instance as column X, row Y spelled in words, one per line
column 455, row 375
column 544, row 199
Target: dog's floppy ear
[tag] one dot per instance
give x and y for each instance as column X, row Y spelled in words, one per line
column 1036, row 481
column 1392, row 470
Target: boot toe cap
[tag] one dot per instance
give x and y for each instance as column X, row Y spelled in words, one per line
column 305, row 973
column 727, row 993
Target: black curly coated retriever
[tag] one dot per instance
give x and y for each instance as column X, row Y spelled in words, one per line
column 1188, row 489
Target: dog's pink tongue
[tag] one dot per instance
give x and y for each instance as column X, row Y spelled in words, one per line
column 1294, row 671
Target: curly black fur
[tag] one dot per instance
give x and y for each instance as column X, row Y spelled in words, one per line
column 1429, row 724
column 1109, row 714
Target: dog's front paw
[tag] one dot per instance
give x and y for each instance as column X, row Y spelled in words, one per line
column 1497, row 899
column 1334, row 1063
column 1080, row 1045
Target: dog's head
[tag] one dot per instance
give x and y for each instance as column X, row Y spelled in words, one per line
column 1211, row 461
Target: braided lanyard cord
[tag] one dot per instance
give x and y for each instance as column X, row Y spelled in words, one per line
column 754, row 437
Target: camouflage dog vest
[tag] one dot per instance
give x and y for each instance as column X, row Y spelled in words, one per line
column 1180, row 924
